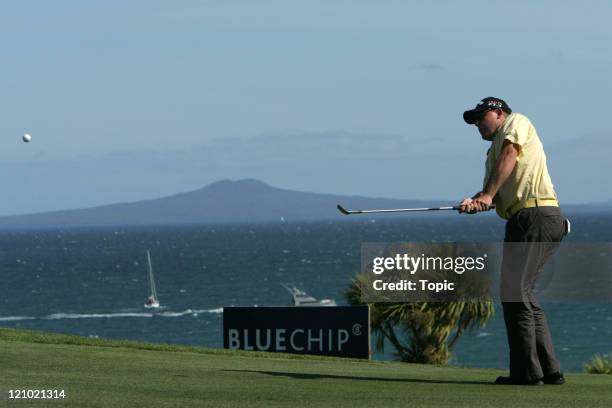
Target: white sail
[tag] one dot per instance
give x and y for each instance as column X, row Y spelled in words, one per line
column 152, row 301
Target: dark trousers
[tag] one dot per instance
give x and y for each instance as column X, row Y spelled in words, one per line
column 532, row 236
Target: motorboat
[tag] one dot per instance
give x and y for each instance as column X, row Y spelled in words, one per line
column 301, row 298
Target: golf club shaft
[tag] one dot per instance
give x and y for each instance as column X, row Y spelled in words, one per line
column 349, row 212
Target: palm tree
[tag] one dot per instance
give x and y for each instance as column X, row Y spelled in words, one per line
column 425, row 332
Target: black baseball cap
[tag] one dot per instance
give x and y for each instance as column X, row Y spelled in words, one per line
column 488, row 103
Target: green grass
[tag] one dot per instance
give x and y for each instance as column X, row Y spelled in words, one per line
column 105, row 373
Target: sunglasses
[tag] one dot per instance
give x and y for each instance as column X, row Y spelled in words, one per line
column 482, row 114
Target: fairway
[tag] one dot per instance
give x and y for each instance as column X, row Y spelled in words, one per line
column 103, row 373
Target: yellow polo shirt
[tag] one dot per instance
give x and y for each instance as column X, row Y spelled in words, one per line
column 530, row 179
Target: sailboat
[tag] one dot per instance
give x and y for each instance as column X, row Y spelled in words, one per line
column 152, row 301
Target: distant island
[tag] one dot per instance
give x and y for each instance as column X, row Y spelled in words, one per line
column 224, row 201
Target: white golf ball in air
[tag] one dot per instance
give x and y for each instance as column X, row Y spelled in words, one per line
column 26, row 137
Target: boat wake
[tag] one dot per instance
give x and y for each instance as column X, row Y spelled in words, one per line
column 62, row 316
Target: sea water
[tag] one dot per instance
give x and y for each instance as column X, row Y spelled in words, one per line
column 93, row 282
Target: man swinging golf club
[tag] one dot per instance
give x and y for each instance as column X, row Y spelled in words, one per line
column 517, row 182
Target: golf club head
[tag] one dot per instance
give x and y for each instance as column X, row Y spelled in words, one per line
column 342, row 210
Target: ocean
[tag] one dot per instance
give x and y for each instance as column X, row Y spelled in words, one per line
column 93, row 282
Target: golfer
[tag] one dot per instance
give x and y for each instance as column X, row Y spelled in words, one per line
column 517, row 182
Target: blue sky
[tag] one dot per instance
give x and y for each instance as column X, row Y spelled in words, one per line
column 128, row 100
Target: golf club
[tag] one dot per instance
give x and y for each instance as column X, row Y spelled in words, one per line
column 349, row 212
